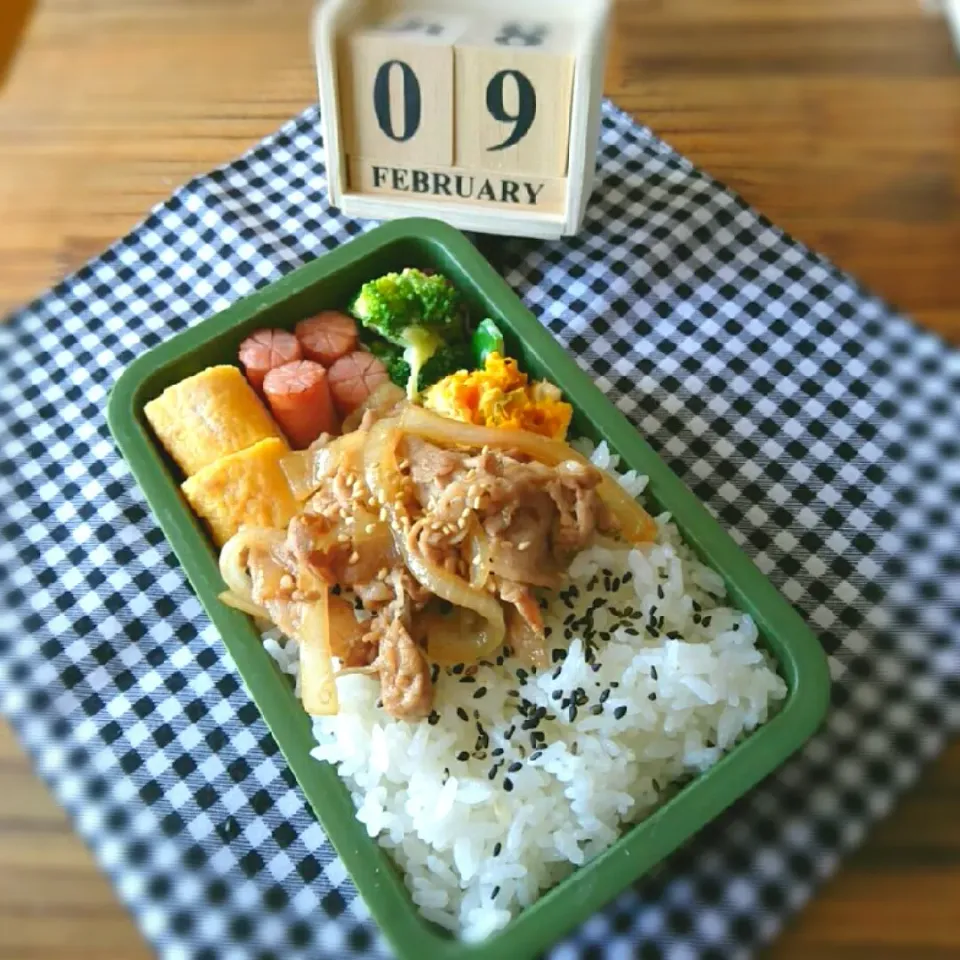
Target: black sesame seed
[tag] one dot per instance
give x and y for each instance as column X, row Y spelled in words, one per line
column 536, row 755
column 736, row 626
column 596, row 709
column 556, row 695
column 538, row 735
column 706, row 621
column 651, row 696
column 575, row 748
column 515, row 766
column 595, row 667
column 497, row 848
column 434, row 673
column 513, row 693
column 433, row 719
column 529, row 724
column 497, row 751
column 379, row 703
column 491, row 775
column 507, row 784
column 572, row 712
column 614, row 684
column 620, row 713
column 660, row 593
column 479, row 693
column 462, row 756
column 653, row 672
column 494, row 892
column 468, row 678
column 462, row 714
column 509, row 732
column 696, row 606
column 628, row 576
column 604, row 696
column 522, row 675
column 458, row 668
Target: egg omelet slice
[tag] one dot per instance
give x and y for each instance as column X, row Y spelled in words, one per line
column 248, row 488
column 207, row 416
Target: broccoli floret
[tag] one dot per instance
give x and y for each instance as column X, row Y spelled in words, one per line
column 448, row 359
column 414, row 310
column 394, row 303
column 391, row 356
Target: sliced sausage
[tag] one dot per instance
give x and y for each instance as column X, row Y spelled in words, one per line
column 327, row 337
column 298, row 395
column 264, row 350
column 353, row 378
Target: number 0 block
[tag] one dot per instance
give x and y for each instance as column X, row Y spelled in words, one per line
column 396, row 88
column 514, row 84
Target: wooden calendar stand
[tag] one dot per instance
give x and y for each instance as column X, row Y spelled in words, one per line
column 484, row 113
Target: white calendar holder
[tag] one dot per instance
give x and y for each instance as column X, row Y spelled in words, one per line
column 483, row 113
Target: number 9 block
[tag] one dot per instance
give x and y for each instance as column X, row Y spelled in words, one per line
column 513, row 81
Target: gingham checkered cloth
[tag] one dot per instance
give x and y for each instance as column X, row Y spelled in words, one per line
column 818, row 425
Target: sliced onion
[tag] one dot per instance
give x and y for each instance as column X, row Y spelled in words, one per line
column 479, row 555
column 383, row 399
column 527, row 644
column 386, row 483
column 234, row 558
column 306, row 470
column 455, row 637
column 318, row 687
column 636, row 525
column 244, row 606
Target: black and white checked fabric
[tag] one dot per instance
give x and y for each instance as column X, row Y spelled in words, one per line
column 819, row 426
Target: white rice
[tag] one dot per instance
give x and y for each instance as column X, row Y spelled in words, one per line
column 670, row 690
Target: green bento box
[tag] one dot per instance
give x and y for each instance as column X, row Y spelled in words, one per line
column 327, row 283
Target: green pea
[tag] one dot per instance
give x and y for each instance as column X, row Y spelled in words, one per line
column 487, row 339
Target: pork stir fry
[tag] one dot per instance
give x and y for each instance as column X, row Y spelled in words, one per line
column 440, row 533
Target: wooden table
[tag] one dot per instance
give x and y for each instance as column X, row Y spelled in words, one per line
column 840, row 119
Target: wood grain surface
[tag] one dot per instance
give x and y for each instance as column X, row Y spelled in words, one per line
column 839, row 119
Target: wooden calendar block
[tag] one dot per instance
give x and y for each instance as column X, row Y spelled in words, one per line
column 396, row 83
column 514, row 87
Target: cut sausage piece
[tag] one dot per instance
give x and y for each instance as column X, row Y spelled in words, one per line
column 327, row 337
column 264, row 350
column 298, row 395
column 353, row 378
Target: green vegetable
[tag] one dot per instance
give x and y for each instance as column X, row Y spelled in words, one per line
column 449, row 358
column 413, row 310
column 487, row 339
column 391, row 356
